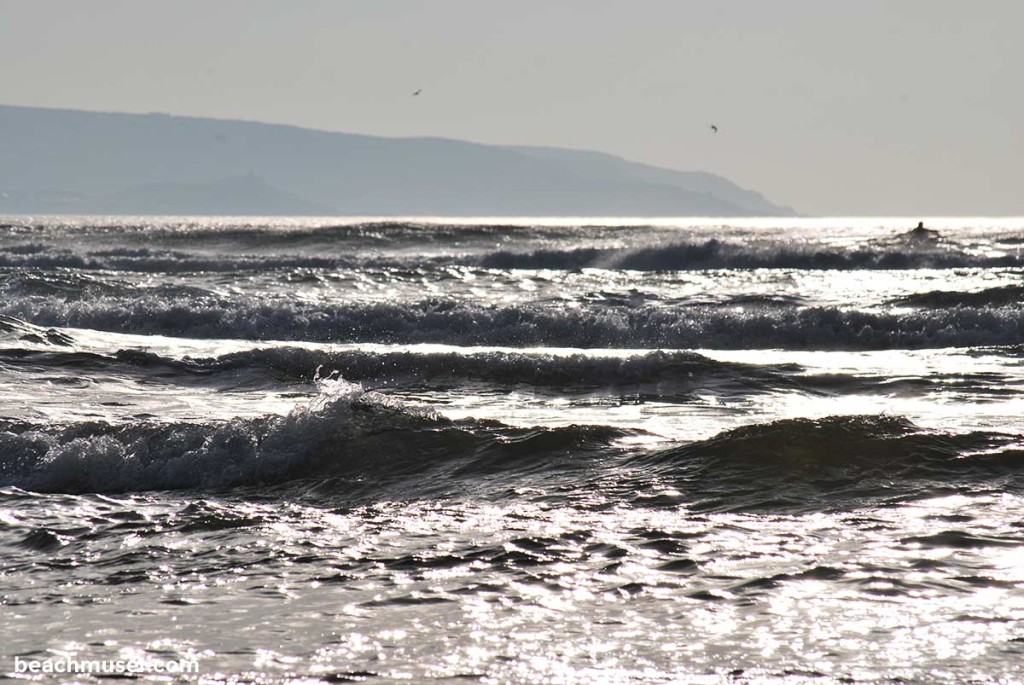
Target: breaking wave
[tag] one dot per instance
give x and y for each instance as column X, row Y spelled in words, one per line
column 721, row 254
column 360, row 442
column 454, row 322
column 345, row 433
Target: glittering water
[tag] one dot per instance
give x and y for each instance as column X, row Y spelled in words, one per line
column 515, row 451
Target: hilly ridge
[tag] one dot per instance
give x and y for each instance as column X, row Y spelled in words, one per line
column 68, row 161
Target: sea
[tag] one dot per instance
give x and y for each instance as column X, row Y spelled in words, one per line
column 512, row 450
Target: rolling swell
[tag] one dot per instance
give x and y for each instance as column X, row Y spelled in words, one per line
column 719, row 254
column 519, row 247
column 150, row 260
column 663, row 374
column 459, row 323
column 71, row 285
column 821, row 463
column 345, row 434
column 1003, row 296
column 675, row 369
column 363, row 445
column 282, row 233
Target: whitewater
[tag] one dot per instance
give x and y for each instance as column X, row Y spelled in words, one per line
column 514, row 450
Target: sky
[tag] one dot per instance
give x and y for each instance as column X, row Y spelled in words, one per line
column 873, row 107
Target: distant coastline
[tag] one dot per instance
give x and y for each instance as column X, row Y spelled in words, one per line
column 55, row 161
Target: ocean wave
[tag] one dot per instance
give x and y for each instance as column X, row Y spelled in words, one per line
column 72, row 284
column 277, row 233
column 153, row 260
column 346, row 433
column 721, row 254
column 817, row 463
column 663, row 375
column 491, row 247
column 1002, row 296
column 14, row 328
column 660, row 373
column 676, row 370
column 455, row 322
column 354, row 443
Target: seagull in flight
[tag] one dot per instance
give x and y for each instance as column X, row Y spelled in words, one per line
column 714, row 128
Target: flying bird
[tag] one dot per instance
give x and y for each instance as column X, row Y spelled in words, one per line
column 418, row 91
column 714, row 128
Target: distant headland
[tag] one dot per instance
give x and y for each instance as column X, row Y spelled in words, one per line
column 57, row 161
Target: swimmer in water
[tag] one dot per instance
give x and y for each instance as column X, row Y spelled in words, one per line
column 922, row 233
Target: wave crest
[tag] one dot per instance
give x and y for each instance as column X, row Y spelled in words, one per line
column 458, row 323
column 346, row 432
column 721, row 254
column 816, row 463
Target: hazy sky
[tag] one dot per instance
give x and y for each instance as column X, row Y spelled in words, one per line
column 909, row 107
